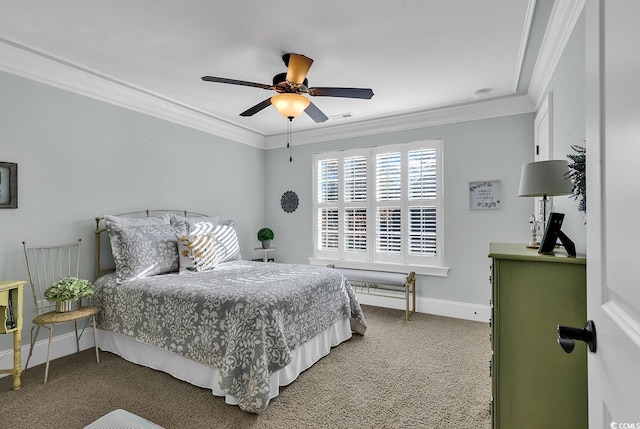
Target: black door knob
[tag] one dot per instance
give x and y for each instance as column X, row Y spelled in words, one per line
column 567, row 335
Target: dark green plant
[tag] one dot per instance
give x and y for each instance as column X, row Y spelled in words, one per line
column 68, row 288
column 265, row 234
column 578, row 175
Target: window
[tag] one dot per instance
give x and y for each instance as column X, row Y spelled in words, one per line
column 380, row 207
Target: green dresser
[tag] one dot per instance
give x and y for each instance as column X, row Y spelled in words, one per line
column 535, row 384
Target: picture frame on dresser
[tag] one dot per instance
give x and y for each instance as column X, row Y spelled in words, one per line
column 8, row 185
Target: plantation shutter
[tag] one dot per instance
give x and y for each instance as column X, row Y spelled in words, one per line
column 422, row 174
column 388, row 176
column 380, row 205
column 355, row 204
column 328, row 213
column 388, row 227
column 422, row 191
column 329, row 229
column 328, row 180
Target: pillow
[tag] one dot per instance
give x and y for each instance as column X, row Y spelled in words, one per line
column 145, row 250
column 136, row 221
column 227, row 246
column 197, row 225
column 197, row 253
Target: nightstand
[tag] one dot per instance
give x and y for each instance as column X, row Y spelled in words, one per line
column 11, row 322
column 266, row 252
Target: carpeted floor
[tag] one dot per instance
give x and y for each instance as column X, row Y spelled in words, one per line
column 431, row 372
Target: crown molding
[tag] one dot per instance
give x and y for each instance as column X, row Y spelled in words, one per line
column 564, row 16
column 490, row 108
column 34, row 65
column 531, row 7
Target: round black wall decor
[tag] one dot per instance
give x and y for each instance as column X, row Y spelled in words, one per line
column 289, row 201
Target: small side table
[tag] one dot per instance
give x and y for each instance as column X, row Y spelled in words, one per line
column 266, row 252
column 11, row 322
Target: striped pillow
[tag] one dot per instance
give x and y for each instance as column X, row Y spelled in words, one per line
column 197, row 253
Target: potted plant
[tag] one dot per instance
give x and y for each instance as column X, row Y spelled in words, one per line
column 578, row 175
column 67, row 292
column 265, row 235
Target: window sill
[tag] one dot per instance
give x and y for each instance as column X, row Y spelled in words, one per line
column 426, row 270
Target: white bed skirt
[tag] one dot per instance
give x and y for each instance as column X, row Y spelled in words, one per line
column 198, row 374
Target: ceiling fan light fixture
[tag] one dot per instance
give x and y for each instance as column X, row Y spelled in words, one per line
column 290, row 105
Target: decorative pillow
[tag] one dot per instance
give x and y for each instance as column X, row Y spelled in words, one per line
column 197, row 253
column 146, row 250
column 197, row 225
column 136, row 221
column 226, row 239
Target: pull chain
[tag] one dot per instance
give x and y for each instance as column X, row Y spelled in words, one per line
column 289, row 137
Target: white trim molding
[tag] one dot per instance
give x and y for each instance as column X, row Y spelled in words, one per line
column 437, row 307
column 31, row 64
column 42, row 68
column 531, row 7
column 62, row 345
column 564, row 16
column 486, row 109
column 625, row 321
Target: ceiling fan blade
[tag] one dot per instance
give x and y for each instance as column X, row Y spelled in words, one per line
column 236, row 82
column 366, row 93
column 297, row 67
column 258, row 107
column 315, row 113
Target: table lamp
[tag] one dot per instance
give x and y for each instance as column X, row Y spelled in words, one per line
column 545, row 179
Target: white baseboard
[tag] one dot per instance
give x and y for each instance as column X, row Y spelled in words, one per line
column 65, row 344
column 438, row 307
column 62, row 345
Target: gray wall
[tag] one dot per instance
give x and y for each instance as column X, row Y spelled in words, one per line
column 79, row 158
column 476, row 150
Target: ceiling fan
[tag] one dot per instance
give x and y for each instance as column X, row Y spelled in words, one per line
column 290, row 86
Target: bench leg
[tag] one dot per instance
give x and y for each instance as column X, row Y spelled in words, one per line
column 410, row 288
column 406, row 297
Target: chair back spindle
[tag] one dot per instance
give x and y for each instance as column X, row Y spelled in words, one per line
column 48, row 264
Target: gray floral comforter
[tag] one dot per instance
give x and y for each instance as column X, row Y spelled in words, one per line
column 243, row 318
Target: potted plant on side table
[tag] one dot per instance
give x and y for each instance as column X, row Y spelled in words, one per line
column 67, row 292
column 265, row 235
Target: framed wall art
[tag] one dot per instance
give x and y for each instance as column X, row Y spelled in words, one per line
column 8, row 185
column 484, row 195
column 289, row 201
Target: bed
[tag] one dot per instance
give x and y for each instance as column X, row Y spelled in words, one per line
column 182, row 300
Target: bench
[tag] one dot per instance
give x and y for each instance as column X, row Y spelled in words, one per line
column 372, row 282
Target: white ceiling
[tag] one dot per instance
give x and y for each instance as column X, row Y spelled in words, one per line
column 416, row 55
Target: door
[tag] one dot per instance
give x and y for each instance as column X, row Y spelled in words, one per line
column 613, row 211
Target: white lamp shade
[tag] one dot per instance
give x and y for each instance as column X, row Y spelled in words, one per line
column 290, row 105
column 545, row 178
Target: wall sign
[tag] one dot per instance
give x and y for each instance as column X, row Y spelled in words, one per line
column 484, row 195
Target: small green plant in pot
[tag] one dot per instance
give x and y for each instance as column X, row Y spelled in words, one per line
column 67, row 290
column 265, row 235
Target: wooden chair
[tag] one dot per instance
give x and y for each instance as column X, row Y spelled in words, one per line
column 46, row 265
